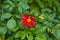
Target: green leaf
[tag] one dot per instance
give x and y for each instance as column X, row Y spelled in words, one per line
column 17, row 16
column 38, row 25
column 40, row 3
column 10, row 38
column 34, row 9
column 41, row 37
column 30, row 37
column 59, row 9
column 57, row 26
column 54, row 9
column 0, row 38
column 20, row 9
column 30, row 1
column 20, row 34
column 11, row 23
column 3, row 30
column 25, row 6
column 43, row 29
column 25, row 11
column 56, row 3
column 10, row 2
column 32, row 29
column 20, row 25
column 59, row 16
column 46, row 10
column 10, row 9
column 23, row 36
column 50, row 2
column 6, row 16
column 6, row 6
column 56, row 33
column 15, row 29
column 40, row 29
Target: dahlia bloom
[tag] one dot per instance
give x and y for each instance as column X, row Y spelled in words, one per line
column 28, row 20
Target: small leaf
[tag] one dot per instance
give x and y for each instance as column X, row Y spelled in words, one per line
column 38, row 25
column 10, row 9
column 11, row 23
column 46, row 10
column 6, row 15
column 15, row 29
column 25, row 6
column 19, row 34
column 54, row 9
column 30, row 1
column 6, row 6
column 23, row 36
column 41, row 37
column 0, row 38
column 40, row 3
column 10, row 38
column 20, row 9
column 57, row 26
column 56, row 33
column 17, row 16
column 3, row 30
column 30, row 37
column 59, row 9
column 10, row 2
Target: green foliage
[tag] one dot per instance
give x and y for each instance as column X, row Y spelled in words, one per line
column 6, row 16
column 30, row 37
column 47, row 15
column 3, row 30
column 40, row 3
column 20, row 9
column 11, row 23
column 41, row 37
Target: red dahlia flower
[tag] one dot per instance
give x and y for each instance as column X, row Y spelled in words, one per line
column 28, row 20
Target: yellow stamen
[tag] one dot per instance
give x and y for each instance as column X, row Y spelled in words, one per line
column 29, row 20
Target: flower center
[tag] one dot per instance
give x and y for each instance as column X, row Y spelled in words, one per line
column 29, row 20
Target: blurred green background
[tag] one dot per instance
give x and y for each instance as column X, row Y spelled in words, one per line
column 47, row 15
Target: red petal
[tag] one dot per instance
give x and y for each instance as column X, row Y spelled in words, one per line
column 32, row 18
column 33, row 22
column 23, row 18
column 24, row 23
column 30, row 25
column 27, row 24
column 25, row 15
